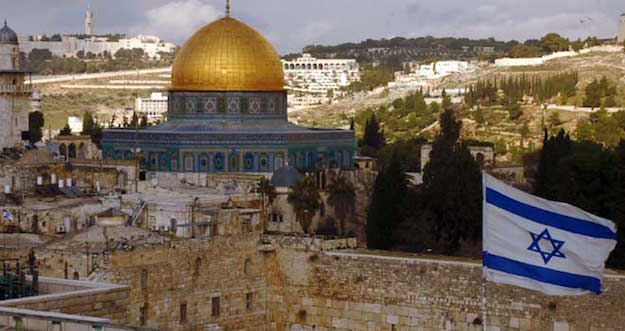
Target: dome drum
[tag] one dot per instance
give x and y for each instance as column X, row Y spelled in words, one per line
column 231, row 105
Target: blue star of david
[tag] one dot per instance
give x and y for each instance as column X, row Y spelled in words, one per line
column 556, row 244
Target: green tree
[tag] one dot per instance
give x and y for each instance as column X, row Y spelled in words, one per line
column 452, row 187
column 305, row 199
column 553, row 121
column 66, row 131
column 553, row 42
column 446, row 103
column 373, row 138
column 479, row 116
column 385, row 208
column 134, row 122
column 267, row 193
column 35, row 123
column 342, row 197
column 521, row 51
column 144, row 121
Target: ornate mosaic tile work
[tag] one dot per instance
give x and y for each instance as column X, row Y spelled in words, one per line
column 186, row 104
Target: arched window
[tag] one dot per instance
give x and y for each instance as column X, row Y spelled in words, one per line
column 62, row 150
column 76, row 275
column 247, row 266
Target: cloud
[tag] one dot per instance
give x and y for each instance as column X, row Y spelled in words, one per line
column 177, row 20
column 313, row 31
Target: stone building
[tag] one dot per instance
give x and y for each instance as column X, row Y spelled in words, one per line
column 227, row 113
column 154, row 107
column 15, row 95
column 310, row 79
column 76, row 147
column 483, row 155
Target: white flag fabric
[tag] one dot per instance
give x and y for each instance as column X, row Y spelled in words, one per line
column 542, row 245
column 7, row 215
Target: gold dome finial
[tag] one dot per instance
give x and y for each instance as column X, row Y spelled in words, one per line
column 228, row 8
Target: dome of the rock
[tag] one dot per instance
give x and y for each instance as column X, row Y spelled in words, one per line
column 227, row 55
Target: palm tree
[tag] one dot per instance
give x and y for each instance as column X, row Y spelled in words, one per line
column 306, row 201
column 267, row 193
column 342, row 197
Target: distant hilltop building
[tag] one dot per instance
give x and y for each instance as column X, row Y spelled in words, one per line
column 621, row 29
column 89, row 21
column 154, row 107
column 69, row 46
column 15, row 96
column 311, row 78
column 424, row 75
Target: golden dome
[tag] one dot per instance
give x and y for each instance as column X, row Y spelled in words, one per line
column 227, row 55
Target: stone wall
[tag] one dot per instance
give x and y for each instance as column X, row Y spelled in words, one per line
column 78, row 298
column 192, row 273
column 343, row 291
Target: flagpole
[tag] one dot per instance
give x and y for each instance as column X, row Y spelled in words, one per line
column 484, row 177
column 483, row 304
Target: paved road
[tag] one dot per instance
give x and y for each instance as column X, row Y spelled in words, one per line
column 77, row 77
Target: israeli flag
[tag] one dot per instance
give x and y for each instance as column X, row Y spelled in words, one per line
column 7, row 215
column 542, row 245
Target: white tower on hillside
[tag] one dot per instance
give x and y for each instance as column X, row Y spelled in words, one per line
column 15, row 96
column 89, row 21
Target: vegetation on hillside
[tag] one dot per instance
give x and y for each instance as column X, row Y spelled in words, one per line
column 42, row 62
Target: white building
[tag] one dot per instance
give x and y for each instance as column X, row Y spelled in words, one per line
column 75, row 124
column 69, row 46
column 426, row 75
column 621, row 29
column 154, row 107
column 312, row 78
column 15, row 96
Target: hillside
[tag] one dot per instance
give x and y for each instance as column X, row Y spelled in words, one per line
column 511, row 137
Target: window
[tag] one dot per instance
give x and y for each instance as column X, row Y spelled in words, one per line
column 198, row 266
column 247, row 266
column 248, row 301
column 144, row 279
column 183, row 313
column 215, row 306
column 188, row 163
column 173, row 224
column 143, row 315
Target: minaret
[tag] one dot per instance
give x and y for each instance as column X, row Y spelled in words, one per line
column 621, row 29
column 15, row 96
column 89, row 21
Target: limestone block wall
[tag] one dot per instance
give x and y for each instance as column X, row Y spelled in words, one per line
column 77, row 298
column 193, row 272
column 343, row 291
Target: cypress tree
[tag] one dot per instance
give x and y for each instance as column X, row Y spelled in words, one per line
column 385, row 208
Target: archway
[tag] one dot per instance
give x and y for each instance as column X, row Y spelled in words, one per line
column 71, row 151
column 63, row 150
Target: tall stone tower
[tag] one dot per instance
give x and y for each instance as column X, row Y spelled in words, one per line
column 89, row 21
column 621, row 29
column 15, row 97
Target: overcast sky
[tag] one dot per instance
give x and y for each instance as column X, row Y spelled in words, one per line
column 292, row 24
